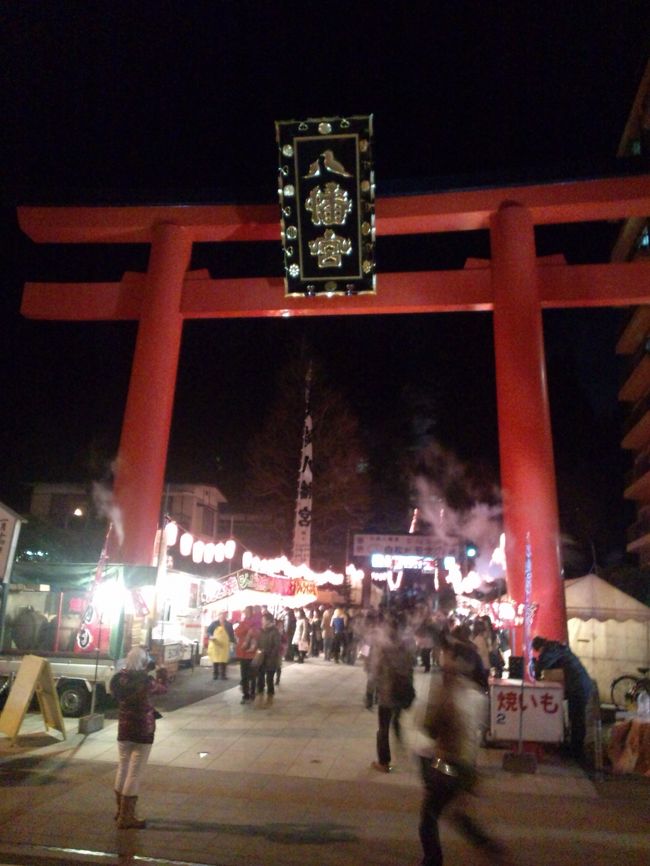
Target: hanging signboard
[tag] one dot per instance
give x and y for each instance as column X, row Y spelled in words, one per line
column 327, row 201
column 10, row 524
column 366, row 544
column 34, row 676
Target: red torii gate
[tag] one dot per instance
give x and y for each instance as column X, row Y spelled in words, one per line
column 515, row 285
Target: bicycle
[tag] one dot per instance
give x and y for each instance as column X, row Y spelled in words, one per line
column 626, row 689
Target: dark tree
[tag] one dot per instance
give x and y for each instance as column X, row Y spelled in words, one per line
column 340, row 482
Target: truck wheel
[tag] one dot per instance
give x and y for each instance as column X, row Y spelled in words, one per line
column 74, row 699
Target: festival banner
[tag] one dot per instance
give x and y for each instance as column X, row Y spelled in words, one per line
column 302, row 527
column 95, row 631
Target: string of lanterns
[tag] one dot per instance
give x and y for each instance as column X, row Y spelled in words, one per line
column 200, row 551
column 209, row 552
column 281, row 565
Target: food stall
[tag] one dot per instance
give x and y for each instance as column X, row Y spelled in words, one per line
column 248, row 587
column 177, row 629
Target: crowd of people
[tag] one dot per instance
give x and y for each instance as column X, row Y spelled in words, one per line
column 459, row 654
column 261, row 641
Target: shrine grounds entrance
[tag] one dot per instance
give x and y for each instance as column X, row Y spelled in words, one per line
column 514, row 284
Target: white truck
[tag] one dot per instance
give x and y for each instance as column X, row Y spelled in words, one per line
column 83, row 622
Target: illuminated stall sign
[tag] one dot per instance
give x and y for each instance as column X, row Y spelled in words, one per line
column 327, row 201
column 366, row 544
column 398, row 561
column 271, row 583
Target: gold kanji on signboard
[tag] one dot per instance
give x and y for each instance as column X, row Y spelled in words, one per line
column 326, row 180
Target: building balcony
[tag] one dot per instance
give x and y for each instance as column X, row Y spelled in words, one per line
column 639, row 544
column 637, row 426
column 638, row 535
column 639, row 488
column 637, row 383
column 634, row 332
column 639, row 434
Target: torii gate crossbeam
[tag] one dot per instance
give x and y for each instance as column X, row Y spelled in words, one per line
column 515, row 285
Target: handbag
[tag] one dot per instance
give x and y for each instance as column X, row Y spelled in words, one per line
column 258, row 659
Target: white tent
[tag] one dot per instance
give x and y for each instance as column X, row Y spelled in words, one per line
column 608, row 630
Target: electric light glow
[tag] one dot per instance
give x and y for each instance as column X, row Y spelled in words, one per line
column 109, row 599
column 215, row 552
column 185, row 544
column 197, row 551
column 171, row 533
column 281, row 566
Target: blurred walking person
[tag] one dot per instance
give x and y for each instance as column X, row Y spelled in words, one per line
column 339, row 625
column 327, row 632
column 301, row 636
column 455, row 709
column 315, row 634
column 289, row 622
column 268, row 644
column 425, row 641
column 219, row 649
column 392, row 675
column 246, row 645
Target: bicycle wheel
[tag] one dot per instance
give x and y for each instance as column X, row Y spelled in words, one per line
column 623, row 692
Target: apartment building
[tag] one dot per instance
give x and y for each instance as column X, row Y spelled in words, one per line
column 634, row 343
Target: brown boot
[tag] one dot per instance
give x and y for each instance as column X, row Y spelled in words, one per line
column 127, row 819
column 118, row 801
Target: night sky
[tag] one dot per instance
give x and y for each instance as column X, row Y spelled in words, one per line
column 152, row 102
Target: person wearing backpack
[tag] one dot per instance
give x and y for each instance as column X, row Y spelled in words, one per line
column 392, row 673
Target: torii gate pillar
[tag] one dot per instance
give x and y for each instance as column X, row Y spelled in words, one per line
column 140, row 472
column 525, row 441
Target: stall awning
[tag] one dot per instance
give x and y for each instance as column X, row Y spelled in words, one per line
column 591, row 597
column 79, row 576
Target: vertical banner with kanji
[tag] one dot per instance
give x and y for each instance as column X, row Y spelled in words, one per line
column 95, row 630
column 302, row 527
column 528, row 607
column 327, row 202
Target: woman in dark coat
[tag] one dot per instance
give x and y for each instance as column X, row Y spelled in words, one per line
column 268, row 644
column 132, row 687
column 551, row 655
